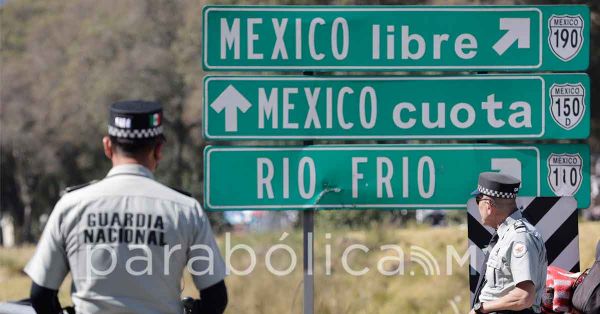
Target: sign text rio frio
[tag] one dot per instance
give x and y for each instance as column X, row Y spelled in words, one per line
column 384, row 176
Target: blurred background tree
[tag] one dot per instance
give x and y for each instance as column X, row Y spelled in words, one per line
column 62, row 64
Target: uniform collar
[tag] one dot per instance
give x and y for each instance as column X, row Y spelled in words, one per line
column 509, row 221
column 130, row 169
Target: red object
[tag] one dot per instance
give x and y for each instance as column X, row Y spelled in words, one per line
column 559, row 291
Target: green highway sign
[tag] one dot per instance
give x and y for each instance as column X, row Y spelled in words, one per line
column 547, row 106
column 392, row 38
column 384, row 176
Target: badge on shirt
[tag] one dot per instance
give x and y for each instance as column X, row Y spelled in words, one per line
column 519, row 249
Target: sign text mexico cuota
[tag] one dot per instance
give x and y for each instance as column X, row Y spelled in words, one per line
column 548, row 106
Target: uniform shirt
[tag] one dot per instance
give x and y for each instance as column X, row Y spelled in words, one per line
column 519, row 255
column 126, row 241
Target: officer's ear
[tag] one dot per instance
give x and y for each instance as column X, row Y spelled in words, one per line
column 158, row 150
column 107, row 144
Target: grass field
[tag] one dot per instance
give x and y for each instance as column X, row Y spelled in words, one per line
column 339, row 292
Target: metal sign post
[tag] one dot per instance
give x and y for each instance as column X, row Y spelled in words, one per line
column 308, row 224
column 308, row 244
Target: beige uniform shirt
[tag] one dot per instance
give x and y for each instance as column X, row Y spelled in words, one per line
column 126, row 240
column 519, row 255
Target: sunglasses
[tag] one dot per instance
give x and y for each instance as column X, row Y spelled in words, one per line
column 479, row 198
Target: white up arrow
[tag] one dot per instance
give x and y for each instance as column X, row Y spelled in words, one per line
column 231, row 100
column 517, row 30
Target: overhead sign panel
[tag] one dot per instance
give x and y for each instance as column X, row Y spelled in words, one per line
column 384, row 177
column 549, row 106
column 393, row 38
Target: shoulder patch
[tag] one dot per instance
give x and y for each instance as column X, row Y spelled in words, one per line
column 79, row 186
column 519, row 249
column 520, row 226
column 184, row 192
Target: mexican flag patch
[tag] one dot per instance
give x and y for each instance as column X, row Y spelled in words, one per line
column 155, row 119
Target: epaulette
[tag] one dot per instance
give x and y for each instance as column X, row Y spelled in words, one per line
column 77, row 187
column 520, row 226
column 186, row 193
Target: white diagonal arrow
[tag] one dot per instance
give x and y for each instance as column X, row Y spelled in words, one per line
column 517, row 30
column 231, row 100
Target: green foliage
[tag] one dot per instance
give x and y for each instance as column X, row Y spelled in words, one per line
column 64, row 62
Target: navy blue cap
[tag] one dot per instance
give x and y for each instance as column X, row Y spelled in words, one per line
column 135, row 120
column 498, row 185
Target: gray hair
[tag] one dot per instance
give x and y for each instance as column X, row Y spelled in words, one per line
column 505, row 204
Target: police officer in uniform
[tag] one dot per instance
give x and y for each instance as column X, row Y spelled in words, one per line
column 126, row 239
column 513, row 277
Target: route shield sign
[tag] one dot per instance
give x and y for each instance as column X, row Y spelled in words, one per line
column 392, row 38
column 385, row 176
column 548, row 106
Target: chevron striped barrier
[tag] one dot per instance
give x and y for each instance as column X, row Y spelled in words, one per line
column 555, row 218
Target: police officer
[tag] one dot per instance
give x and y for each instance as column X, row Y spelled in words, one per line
column 126, row 239
column 514, row 271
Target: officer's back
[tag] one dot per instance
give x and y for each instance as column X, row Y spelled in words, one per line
column 127, row 238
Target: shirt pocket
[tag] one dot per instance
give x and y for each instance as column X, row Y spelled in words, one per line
column 494, row 272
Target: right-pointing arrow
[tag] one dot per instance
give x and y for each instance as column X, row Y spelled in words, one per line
column 517, row 30
column 231, row 100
